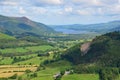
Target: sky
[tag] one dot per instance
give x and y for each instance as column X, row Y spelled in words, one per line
column 54, row 12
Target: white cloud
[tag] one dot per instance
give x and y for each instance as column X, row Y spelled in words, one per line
column 119, row 1
column 68, row 9
column 21, row 10
column 48, row 2
column 38, row 10
column 87, row 2
column 8, row 3
column 108, row 2
column 60, row 12
column 83, row 12
column 100, row 11
column 114, row 10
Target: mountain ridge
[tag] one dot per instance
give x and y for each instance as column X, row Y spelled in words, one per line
column 90, row 28
column 19, row 25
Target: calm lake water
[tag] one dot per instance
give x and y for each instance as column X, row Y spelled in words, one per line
column 70, row 31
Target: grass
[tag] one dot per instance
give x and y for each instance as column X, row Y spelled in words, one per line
column 9, row 60
column 52, row 69
column 41, row 48
column 35, row 60
column 4, row 36
column 13, row 50
column 6, row 60
column 81, row 77
column 59, row 64
column 46, row 74
column 44, row 77
column 26, row 49
column 9, row 70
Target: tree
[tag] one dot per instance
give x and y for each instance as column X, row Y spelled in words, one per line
column 109, row 74
column 28, row 71
column 13, row 77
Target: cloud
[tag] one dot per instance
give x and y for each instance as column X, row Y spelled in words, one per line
column 47, row 2
column 21, row 10
column 108, row 2
column 68, row 9
column 87, row 3
column 38, row 10
column 83, row 12
column 86, row 12
column 8, row 3
column 112, row 10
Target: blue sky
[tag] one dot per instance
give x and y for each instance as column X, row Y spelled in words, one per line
column 63, row 11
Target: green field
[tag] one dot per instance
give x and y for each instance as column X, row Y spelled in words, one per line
column 26, row 49
column 5, row 60
column 9, row 60
column 41, row 48
column 30, row 58
column 46, row 60
column 33, row 61
column 81, row 77
column 48, row 75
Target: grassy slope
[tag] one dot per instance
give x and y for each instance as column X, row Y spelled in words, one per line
column 81, row 77
column 50, row 70
column 35, row 60
column 26, row 49
column 104, row 49
column 22, row 25
column 4, row 36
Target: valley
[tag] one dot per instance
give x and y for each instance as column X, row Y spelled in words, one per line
column 34, row 51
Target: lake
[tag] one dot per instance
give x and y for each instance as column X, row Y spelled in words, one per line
column 70, row 31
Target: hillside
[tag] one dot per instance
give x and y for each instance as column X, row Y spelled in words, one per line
column 104, row 50
column 6, row 37
column 19, row 25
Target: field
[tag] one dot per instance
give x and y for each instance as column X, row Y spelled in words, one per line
column 9, row 70
column 26, row 49
column 43, row 61
column 81, row 77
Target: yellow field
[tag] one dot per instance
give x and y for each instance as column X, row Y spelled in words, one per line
column 9, row 70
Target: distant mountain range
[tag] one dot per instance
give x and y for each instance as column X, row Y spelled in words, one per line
column 23, row 25
column 90, row 28
column 20, row 25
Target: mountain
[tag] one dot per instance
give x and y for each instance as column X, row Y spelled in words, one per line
column 6, row 37
column 89, row 28
column 115, row 29
column 19, row 25
column 103, row 50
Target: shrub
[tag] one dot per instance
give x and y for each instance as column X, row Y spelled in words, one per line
column 28, row 71
column 13, row 77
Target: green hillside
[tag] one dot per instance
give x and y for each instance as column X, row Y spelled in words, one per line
column 6, row 37
column 19, row 25
column 104, row 50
